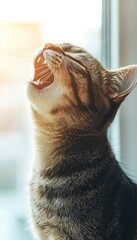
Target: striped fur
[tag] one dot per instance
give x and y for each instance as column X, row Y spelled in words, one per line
column 78, row 190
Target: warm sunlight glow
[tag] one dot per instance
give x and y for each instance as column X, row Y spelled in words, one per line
column 53, row 12
column 61, row 21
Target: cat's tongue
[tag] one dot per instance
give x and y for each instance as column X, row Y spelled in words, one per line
column 43, row 77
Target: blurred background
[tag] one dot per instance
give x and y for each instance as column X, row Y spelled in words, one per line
column 107, row 29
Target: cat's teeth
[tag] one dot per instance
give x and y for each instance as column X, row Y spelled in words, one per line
column 37, row 82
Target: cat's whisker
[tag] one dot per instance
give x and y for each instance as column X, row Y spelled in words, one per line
column 27, row 47
column 46, row 77
column 25, row 61
column 24, row 66
column 43, row 67
column 19, row 52
column 43, row 72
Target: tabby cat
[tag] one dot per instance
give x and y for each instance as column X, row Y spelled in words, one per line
column 78, row 190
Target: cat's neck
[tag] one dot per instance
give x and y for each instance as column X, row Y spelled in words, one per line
column 54, row 144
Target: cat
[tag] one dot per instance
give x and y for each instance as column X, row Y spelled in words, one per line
column 78, row 191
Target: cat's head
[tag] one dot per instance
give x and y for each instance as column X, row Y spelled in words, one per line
column 72, row 87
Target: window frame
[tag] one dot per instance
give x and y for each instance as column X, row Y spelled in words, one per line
column 110, row 58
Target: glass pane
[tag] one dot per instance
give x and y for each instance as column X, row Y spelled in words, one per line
column 25, row 26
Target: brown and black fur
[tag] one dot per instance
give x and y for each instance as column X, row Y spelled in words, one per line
column 78, row 190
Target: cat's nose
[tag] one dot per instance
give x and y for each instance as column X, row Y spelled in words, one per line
column 54, row 47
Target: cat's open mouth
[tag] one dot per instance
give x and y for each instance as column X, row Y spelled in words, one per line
column 43, row 76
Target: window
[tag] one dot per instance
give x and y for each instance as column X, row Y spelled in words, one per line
column 119, row 50
column 24, row 26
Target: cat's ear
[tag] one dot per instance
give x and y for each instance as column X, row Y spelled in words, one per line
column 118, row 84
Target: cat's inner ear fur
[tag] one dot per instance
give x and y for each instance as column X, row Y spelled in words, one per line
column 118, row 84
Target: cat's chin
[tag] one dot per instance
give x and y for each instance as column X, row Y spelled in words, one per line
column 46, row 98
